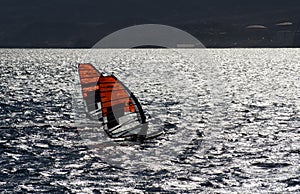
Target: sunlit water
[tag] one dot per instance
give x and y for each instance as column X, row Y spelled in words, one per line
column 231, row 119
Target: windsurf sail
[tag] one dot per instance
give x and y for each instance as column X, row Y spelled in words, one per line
column 109, row 101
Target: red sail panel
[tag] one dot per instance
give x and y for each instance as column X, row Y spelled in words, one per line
column 89, row 79
column 112, row 94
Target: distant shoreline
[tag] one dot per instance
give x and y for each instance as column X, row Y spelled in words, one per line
column 270, row 47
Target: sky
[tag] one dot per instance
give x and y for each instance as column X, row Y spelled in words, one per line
column 81, row 23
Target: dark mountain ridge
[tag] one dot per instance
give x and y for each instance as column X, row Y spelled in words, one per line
column 81, row 23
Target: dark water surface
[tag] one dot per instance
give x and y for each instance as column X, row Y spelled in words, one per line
column 231, row 119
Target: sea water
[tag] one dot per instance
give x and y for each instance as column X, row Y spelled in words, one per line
column 231, row 122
